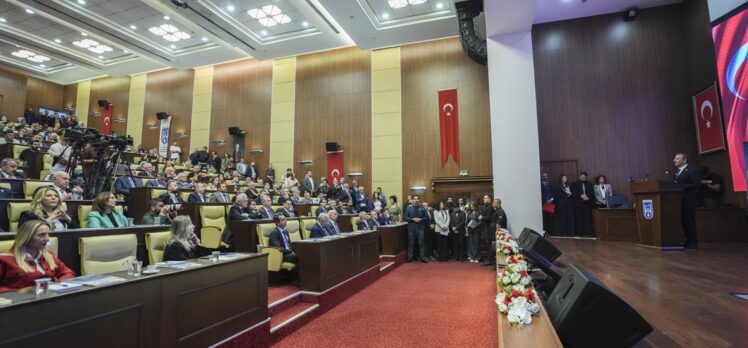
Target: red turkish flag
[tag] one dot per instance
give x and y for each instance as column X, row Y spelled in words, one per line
column 449, row 125
column 334, row 166
column 708, row 120
column 106, row 119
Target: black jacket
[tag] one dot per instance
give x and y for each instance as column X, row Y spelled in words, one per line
column 175, row 251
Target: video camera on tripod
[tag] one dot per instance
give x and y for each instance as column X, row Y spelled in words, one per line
column 80, row 137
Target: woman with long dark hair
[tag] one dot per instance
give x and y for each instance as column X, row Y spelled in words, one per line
column 563, row 217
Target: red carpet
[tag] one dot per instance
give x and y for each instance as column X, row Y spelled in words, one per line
column 415, row 305
column 279, row 292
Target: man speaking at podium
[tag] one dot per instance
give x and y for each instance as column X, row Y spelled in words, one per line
column 690, row 179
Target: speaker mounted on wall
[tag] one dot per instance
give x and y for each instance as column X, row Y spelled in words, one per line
column 161, row 115
column 332, row 146
column 234, row 131
column 103, row 103
column 472, row 43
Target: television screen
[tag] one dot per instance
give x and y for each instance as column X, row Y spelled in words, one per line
column 730, row 34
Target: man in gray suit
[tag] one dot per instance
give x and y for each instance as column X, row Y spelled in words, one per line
column 307, row 184
column 220, row 196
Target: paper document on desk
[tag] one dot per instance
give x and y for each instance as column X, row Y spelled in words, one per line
column 64, row 286
column 178, row 264
column 96, row 280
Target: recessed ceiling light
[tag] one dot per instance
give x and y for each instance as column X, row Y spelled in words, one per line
column 101, row 57
column 305, row 23
column 125, row 51
column 58, row 40
column 169, row 33
column 29, row 11
column 84, row 34
column 439, row 5
column 264, row 32
column 173, row 46
column 385, row 15
column 269, row 15
column 166, row 18
column 42, row 65
column 26, row 54
column 231, row 8
column 2, row 20
column 205, row 38
column 403, row 3
column 133, row 27
column 82, row 2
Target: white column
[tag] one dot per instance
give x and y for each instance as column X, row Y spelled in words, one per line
column 514, row 129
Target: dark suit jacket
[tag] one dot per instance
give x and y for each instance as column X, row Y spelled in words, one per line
column 123, row 184
column 253, row 195
column 546, row 191
column 331, row 228
column 286, row 213
column 690, row 179
column 364, row 225
column 318, row 231
column 576, row 193
column 457, row 220
column 306, row 185
column 276, row 240
column 269, row 214
column 237, row 213
column 175, row 251
column 362, row 202
column 166, row 198
column 194, row 197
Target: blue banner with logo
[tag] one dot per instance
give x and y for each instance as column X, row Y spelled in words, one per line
column 163, row 138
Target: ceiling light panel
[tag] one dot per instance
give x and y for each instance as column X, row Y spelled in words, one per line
column 55, row 34
column 279, row 19
column 398, row 12
column 10, row 53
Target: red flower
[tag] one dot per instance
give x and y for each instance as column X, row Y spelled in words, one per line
column 523, row 273
column 507, row 300
column 530, row 295
column 516, row 293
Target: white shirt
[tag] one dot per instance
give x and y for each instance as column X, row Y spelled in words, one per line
column 175, row 151
column 56, row 150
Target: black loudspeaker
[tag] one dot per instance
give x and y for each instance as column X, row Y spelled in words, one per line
column 541, row 262
column 474, row 45
column 161, row 115
column 234, row 131
column 103, row 103
column 534, row 241
column 332, row 146
column 586, row 314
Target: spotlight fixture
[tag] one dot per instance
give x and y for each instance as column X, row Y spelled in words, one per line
column 630, row 14
column 180, row 3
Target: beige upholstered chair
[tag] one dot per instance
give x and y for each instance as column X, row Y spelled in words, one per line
column 354, row 222
column 294, row 230
column 155, row 242
column 30, row 186
column 306, row 227
column 83, row 211
column 213, row 220
column 107, row 254
column 275, row 256
column 14, row 213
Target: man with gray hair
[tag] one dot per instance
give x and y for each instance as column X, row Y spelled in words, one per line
column 332, row 224
column 9, row 167
column 319, row 229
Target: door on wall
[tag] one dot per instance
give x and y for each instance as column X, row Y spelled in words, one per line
column 556, row 168
column 471, row 189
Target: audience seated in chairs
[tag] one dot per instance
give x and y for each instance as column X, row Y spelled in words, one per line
column 158, row 211
column 29, row 259
column 320, row 228
column 102, row 212
column 266, row 210
column 172, row 196
column 286, row 210
column 61, row 183
column 8, row 169
column 280, row 239
column 159, row 182
column 183, row 244
column 364, row 222
column 199, row 195
column 220, row 196
column 124, row 183
column 46, row 205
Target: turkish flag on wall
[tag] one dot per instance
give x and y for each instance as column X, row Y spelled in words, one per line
column 449, row 125
column 334, row 166
column 708, row 120
column 106, row 119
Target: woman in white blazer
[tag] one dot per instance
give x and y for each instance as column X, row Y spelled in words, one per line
column 603, row 190
column 441, row 227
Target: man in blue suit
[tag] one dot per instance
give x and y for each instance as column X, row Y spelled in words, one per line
column 125, row 183
column 160, row 181
column 280, row 239
column 332, row 224
column 319, row 229
column 415, row 216
column 362, row 200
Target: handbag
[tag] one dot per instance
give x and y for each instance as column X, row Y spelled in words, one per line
column 549, row 207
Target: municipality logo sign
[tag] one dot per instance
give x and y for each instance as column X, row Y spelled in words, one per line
column 648, row 209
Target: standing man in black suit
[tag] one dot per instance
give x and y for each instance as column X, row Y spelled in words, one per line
column 307, row 184
column 546, row 192
column 280, row 239
column 689, row 177
column 583, row 194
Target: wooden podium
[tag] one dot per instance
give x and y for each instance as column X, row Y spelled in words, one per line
column 658, row 208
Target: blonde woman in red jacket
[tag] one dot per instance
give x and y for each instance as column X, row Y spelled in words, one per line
column 29, row 259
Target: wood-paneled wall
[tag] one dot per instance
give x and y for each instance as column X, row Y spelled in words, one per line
column 13, row 90
column 41, row 93
column 333, row 103
column 614, row 95
column 241, row 98
column 70, row 96
column 115, row 90
column 427, row 68
column 169, row 91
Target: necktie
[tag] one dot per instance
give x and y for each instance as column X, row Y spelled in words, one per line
column 201, row 198
column 584, row 190
column 336, row 227
column 677, row 173
column 285, row 239
column 132, row 183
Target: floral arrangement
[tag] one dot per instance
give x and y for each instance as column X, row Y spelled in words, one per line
column 516, row 297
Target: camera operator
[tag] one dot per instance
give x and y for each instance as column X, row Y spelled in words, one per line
column 60, row 153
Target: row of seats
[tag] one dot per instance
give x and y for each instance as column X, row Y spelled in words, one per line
column 16, row 208
column 213, row 221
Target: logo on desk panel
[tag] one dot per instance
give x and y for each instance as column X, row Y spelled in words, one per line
column 648, row 209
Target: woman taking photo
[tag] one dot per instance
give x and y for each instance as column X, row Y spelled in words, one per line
column 29, row 259
column 103, row 213
column 183, row 243
column 46, row 205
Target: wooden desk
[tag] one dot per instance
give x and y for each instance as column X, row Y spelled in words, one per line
column 344, row 222
column 67, row 248
column 394, row 238
column 538, row 334
column 327, row 262
column 713, row 225
column 191, row 308
column 304, row 209
column 245, row 234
